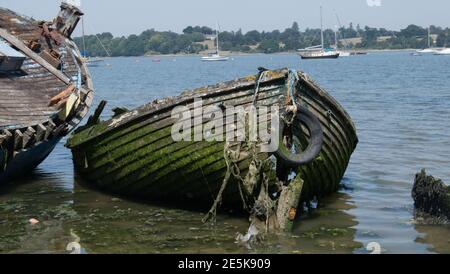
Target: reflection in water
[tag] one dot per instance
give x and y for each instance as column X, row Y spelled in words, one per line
column 433, row 231
column 330, row 229
column 116, row 225
column 105, row 224
column 47, row 200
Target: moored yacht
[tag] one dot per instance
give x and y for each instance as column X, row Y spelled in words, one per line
column 319, row 52
column 444, row 51
column 212, row 57
column 429, row 49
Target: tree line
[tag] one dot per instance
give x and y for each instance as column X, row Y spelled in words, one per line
column 191, row 41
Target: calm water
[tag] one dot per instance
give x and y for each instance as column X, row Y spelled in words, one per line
column 400, row 104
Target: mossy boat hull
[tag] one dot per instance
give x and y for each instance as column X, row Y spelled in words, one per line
column 134, row 155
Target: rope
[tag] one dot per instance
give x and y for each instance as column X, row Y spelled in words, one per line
column 253, row 177
column 232, row 159
column 293, row 79
column 100, row 41
column 257, row 86
column 291, row 104
column 213, row 211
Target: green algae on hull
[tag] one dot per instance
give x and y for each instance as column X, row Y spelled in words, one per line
column 134, row 155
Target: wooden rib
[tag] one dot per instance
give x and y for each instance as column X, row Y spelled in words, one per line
column 18, row 140
column 28, row 137
column 40, row 133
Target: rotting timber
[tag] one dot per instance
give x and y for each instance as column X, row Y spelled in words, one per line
column 45, row 88
column 133, row 154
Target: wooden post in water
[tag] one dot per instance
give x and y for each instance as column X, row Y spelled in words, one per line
column 288, row 204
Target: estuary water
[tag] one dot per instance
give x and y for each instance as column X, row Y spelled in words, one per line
column 400, row 104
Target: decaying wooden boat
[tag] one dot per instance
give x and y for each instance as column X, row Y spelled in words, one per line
column 134, row 154
column 45, row 89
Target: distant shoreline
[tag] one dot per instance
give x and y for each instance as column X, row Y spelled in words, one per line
column 231, row 54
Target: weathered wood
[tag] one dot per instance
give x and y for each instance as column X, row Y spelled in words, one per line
column 49, row 58
column 40, row 133
column 2, row 140
column 8, row 135
column 28, row 136
column 35, row 57
column 25, row 94
column 119, row 111
column 62, row 95
column 38, row 59
column 288, row 204
column 49, row 129
column 134, row 154
column 18, row 140
column 66, row 109
column 95, row 118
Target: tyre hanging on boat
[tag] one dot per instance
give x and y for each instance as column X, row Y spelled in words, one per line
column 306, row 118
column 134, row 153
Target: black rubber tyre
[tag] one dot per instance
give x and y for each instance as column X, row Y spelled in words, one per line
column 306, row 118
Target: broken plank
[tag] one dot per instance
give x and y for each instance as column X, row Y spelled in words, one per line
column 18, row 140
column 40, row 133
column 28, row 137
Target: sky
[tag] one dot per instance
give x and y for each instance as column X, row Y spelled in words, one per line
column 134, row 16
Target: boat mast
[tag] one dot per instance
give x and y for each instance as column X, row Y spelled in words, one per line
column 429, row 35
column 82, row 36
column 341, row 34
column 335, row 39
column 321, row 27
column 217, row 38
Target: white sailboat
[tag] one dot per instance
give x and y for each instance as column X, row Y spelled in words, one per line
column 319, row 52
column 90, row 62
column 445, row 51
column 429, row 49
column 341, row 53
column 214, row 57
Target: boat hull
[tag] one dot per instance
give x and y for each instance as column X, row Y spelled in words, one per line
column 425, row 51
column 330, row 56
column 48, row 98
column 442, row 52
column 344, row 54
column 26, row 160
column 134, row 155
column 215, row 59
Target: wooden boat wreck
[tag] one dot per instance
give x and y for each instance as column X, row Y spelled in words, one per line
column 45, row 88
column 134, row 153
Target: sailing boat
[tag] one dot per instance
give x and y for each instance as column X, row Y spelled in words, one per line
column 319, row 52
column 336, row 43
column 444, row 51
column 213, row 57
column 90, row 62
column 342, row 53
column 428, row 49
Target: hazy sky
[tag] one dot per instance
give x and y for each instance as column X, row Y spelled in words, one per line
column 133, row 16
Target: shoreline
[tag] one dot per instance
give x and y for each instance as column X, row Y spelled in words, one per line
column 232, row 54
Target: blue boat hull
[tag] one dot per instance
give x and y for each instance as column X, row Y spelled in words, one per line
column 25, row 161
